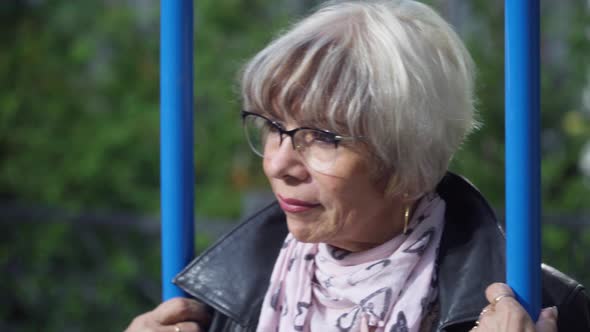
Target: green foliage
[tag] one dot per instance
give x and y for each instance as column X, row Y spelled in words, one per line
column 59, row 277
column 79, row 112
column 566, row 248
column 79, row 107
column 565, row 122
column 79, row 128
column 224, row 40
column 79, row 115
column 481, row 159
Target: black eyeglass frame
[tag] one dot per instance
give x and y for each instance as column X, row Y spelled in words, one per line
column 291, row 133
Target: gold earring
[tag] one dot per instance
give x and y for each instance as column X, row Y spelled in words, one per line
column 406, row 215
column 406, row 219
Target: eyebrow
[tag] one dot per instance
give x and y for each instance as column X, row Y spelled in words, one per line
column 307, row 123
column 310, row 124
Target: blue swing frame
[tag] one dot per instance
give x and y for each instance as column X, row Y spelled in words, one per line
column 522, row 146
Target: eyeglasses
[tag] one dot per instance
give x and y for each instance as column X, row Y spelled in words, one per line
column 318, row 148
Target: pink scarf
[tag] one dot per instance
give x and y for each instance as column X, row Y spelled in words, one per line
column 387, row 288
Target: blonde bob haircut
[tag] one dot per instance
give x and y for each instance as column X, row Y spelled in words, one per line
column 391, row 71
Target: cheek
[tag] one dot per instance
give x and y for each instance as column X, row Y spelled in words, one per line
column 265, row 167
column 268, row 171
column 338, row 198
column 351, row 199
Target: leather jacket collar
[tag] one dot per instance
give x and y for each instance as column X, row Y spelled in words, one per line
column 232, row 276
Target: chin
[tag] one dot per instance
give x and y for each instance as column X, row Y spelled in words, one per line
column 301, row 230
column 305, row 231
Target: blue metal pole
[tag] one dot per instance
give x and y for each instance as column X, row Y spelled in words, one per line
column 176, row 139
column 523, row 249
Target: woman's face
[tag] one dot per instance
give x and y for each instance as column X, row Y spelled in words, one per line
column 344, row 207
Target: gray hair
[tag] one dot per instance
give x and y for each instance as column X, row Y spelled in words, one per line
column 391, row 71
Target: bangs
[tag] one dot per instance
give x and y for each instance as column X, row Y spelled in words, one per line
column 314, row 83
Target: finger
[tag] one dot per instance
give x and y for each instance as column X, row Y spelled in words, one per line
column 547, row 320
column 483, row 321
column 496, row 292
column 185, row 327
column 489, row 309
column 181, row 309
column 145, row 323
column 508, row 314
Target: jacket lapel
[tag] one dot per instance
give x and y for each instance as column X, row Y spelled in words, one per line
column 232, row 276
column 471, row 253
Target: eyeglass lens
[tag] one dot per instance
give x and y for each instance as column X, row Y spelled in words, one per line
column 316, row 147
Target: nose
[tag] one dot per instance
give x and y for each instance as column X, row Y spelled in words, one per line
column 285, row 163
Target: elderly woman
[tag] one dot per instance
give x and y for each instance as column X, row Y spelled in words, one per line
column 356, row 113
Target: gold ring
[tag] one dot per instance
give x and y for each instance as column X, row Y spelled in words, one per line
column 499, row 298
column 177, row 328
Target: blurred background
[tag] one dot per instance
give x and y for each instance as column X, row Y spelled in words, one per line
column 79, row 144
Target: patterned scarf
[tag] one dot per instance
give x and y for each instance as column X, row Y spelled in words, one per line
column 387, row 288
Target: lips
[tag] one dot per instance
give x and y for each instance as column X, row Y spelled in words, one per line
column 294, row 205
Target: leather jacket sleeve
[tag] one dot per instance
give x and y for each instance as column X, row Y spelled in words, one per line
column 573, row 304
column 574, row 312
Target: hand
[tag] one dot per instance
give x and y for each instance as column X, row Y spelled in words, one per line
column 175, row 315
column 505, row 314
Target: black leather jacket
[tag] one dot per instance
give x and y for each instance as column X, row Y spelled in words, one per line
column 232, row 276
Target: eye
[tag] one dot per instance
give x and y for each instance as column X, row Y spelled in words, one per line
column 271, row 127
column 319, row 137
column 267, row 126
column 324, row 137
